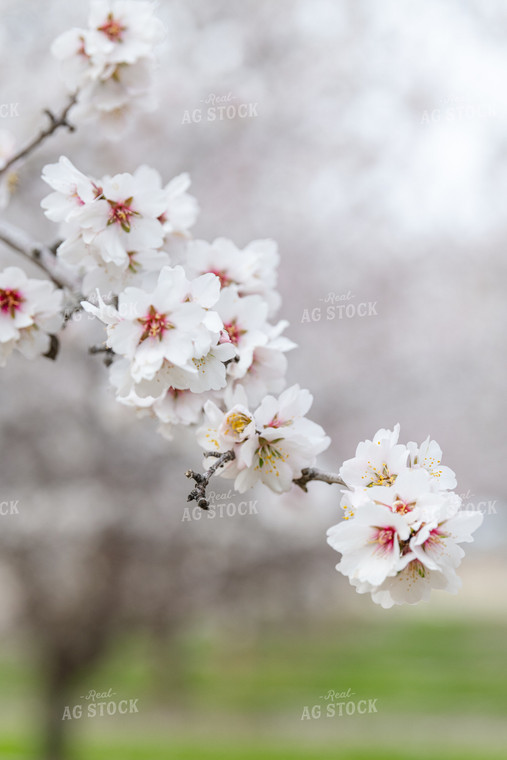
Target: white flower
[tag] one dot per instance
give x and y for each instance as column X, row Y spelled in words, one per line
column 370, row 544
column 122, row 31
column 123, row 218
column 266, row 373
column 142, row 268
column 178, row 407
column 436, row 543
column 252, row 271
column 376, row 462
column 30, row 310
column 169, row 326
column 77, row 66
column 429, row 456
column 73, row 190
column 181, row 210
column 245, row 326
column 113, row 99
column 272, row 445
column 413, row 584
column 110, row 64
column 400, row 539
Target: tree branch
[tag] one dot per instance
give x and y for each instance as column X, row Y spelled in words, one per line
column 311, row 473
column 55, row 122
column 198, row 494
column 38, row 253
column 202, row 480
column 108, row 353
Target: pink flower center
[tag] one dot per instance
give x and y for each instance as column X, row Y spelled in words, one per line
column 154, row 324
column 401, row 507
column 384, row 537
column 10, row 301
column 121, row 213
column 112, row 28
column 234, row 332
column 435, row 537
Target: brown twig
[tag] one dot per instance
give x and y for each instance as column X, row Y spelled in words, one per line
column 198, row 494
column 311, row 473
column 202, row 480
column 108, row 353
column 38, row 253
column 55, row 122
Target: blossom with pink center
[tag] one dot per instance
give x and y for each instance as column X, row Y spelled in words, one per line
column 73, row 190
column 251, row 270
column 122, row 31
column 425, row 552
column 370, row 544
column 162, row 328
column 110, row 64
column 30, row 311
column 123, row 218
column 246, row 326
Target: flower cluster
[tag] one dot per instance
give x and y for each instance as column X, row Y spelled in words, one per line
column 272, row 445
column 403, row 523
column 184, row 317
column 110, row 63
column 29, row 314
column 167, row 337
column 113, row 229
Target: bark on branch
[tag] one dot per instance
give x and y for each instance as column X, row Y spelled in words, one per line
column 311, row 473
column 55, row 123
column 39, row 253
column 198, row 494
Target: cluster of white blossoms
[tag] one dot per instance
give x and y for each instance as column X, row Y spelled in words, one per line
column 114, row 228
column 271, row 445
column 403, row 523
column 30, row 312
column 184, row 317
column 110, row 64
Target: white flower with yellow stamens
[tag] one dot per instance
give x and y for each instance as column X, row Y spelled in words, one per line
column 377, row 462
column 272, row 445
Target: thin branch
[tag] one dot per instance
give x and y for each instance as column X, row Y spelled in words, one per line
column 55, row 122
column 100, row 350
column 198, row 494
column 108, row 353
column 311, row 473
column 202, row 480
column 38, row 253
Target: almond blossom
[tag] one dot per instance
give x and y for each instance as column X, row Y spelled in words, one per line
column 109, row 65
column 30, row 311
column 403, row 525
column 271, row 445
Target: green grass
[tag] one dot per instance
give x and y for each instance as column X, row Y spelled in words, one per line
column 215, row 698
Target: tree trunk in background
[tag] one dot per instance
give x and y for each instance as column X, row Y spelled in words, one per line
column 58, row 683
